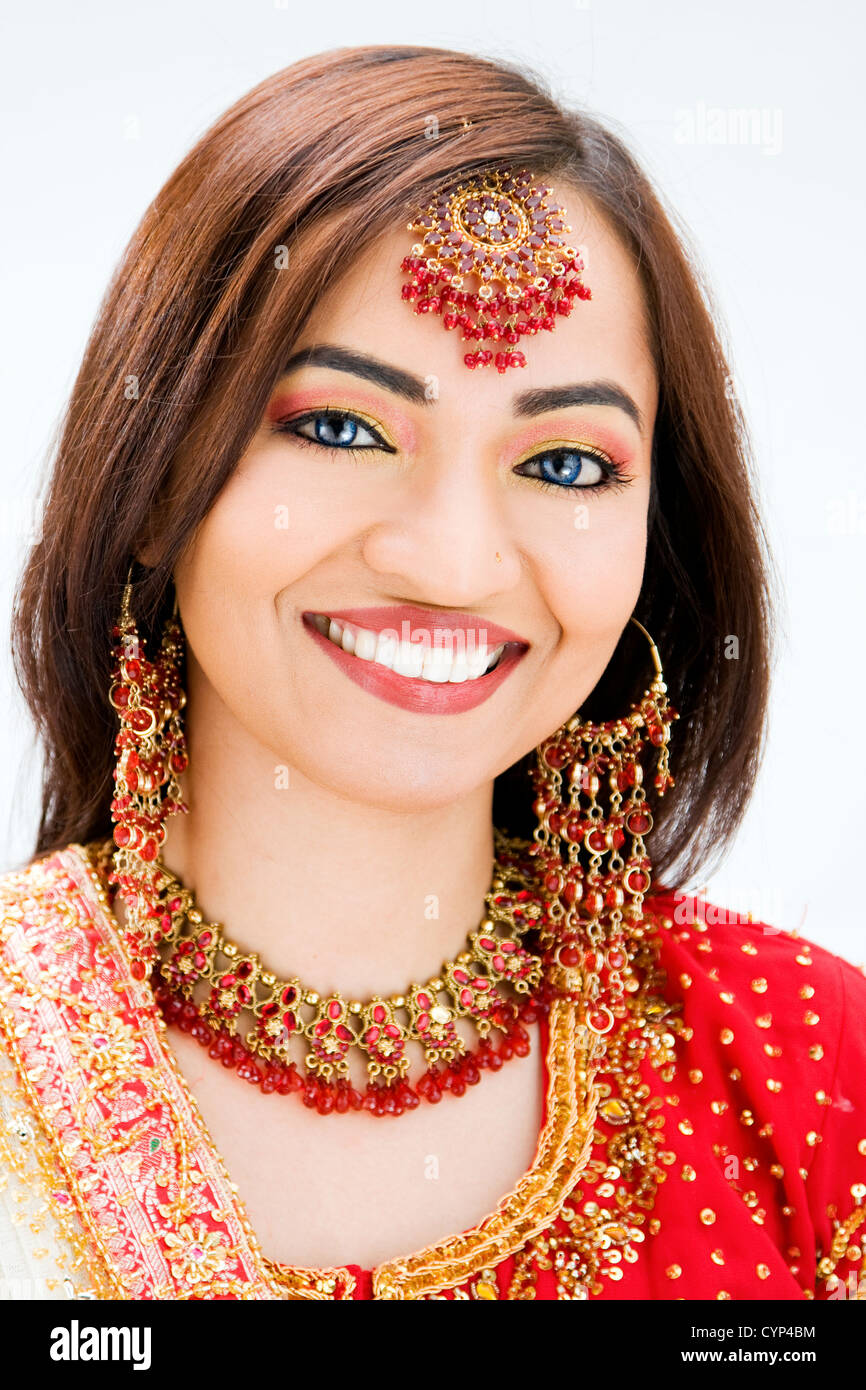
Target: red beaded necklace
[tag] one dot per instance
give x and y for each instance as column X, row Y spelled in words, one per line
column 251, row 1021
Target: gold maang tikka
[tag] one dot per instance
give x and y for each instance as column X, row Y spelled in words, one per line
column 493, row 262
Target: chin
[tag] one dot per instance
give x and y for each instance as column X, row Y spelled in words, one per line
column 409, row 782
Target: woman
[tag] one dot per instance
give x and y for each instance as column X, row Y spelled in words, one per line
column 324, row 594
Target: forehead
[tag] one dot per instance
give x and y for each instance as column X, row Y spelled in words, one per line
column 605, row 336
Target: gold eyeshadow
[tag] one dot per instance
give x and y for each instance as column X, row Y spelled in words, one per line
column 311, row 412
column 547, row 446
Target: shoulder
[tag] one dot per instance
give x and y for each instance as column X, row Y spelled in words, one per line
column 49, row 875
column 771, row 981
column 768, row 1020
column 47, row 917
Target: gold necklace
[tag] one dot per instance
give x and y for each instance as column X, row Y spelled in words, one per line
column 246, row 1016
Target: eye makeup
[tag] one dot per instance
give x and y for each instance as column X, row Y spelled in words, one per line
column 291, row 406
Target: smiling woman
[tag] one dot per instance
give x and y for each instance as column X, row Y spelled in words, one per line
column 390, row 683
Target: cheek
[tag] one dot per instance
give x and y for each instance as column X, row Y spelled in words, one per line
column 591, row 578
column 268, row 527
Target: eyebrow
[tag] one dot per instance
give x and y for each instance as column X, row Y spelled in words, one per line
column 414, row 388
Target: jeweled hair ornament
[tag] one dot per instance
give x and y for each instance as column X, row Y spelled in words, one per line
column 499, row 228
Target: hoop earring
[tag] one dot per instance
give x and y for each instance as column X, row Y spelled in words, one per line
column 589, row 908
column 151, row 754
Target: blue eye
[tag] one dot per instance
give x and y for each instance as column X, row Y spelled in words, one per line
column 569, row 467
column 334, row 429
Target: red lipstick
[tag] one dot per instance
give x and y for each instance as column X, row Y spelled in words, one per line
column 433, row 629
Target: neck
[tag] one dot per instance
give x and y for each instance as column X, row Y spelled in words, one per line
column 346, row 896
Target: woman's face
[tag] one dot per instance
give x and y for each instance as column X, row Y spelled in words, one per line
column 427, row 517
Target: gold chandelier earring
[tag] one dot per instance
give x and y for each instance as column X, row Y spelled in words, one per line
column 151, row 754
column 593, row 886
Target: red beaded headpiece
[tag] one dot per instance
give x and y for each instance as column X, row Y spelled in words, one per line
column 500, row 227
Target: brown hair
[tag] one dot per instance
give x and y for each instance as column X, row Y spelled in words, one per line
column 192, row 335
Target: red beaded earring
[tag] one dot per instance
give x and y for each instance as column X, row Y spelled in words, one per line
column 151, row 755
column 498, row 227
column 590, row 907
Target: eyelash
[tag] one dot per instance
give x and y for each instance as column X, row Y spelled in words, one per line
column 615, row 477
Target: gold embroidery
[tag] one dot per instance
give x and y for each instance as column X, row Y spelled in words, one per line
column 563, row 1152
column 593, row 1238
column 119, row 1131
column 844, row 1230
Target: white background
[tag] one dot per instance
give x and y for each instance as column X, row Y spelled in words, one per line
column 101, row 100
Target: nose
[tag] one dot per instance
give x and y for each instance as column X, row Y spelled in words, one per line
column 448, row 540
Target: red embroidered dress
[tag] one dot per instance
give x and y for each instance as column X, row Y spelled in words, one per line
column 721, row 1155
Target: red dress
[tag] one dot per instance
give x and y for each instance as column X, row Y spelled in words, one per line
column 721, row 1154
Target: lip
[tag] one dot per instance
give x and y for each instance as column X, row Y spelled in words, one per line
column 419, row 696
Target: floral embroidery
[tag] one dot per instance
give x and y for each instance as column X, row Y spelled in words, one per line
column 195, row 1253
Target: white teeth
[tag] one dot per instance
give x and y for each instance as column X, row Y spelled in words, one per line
column 438, row 664
column 494, row 660
column 409, row 660
column 365, row 644
column 386, row 650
